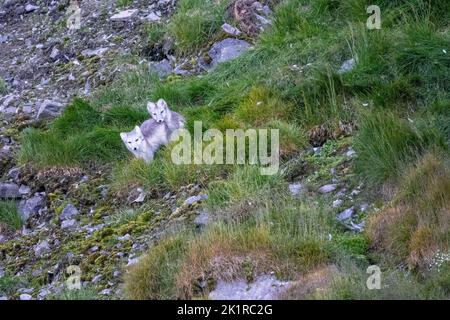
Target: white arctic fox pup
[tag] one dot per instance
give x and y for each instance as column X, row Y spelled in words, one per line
column 161, row 113
column 145, row 140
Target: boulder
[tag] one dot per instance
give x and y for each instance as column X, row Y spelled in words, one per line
column 49, row 109
column 227, row 49
column 9, row 191
column 125, row 15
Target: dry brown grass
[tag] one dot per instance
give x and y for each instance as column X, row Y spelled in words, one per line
column 416, row 223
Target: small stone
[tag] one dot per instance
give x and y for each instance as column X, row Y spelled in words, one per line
column 41, row 248
column 49, row 109
column 327, row 188
column 153, row 16
column 124, row 238
column 116, row 274
column 161, row 68
column 31, row 206
column 346, row 214
column 69, row 212
column 296, row 188
column 23, row 190
column 30, row 8
column 106, row 292
column 132, row 261
column 347, row 66
column 54, row 53
column 202, row 219
column 233, row 31
column 3, row 298
column 9, row 191
column 87, row 53
column 69, row 224
column 195, row 199
column 94, row 249
column 97, row 278
column 125, row 15
column 337, row 203
column 25, row 296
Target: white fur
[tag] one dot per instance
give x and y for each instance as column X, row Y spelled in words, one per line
column 145, row 140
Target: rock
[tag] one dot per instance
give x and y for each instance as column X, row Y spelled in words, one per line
column 87, row 53
column 132, row 261
column 14, row 174
column 125, row 15
column 153, row 16
column 337, row 203
column 227, row 49
column 49, row 109
column 140, row 197
column 347, row 66
column 106, row 292
column 162, row 68
column 97, row 278
column 3, row 298
column 356, row 227
column 296, row 188
column 350, row 152
column 31, row 206
column 327, row 188
column 69, row 212
column 195, row 199
column 54, row 53
column 233, row 31
column 202, row 219
column 94, row 249
column 30, row 8
column 3, row 39
column 43, row 293
column 346, row 214
column 9, row 191
column 24, row 190
column 25, row 296
column 265, row 287
column 69, row 224
column 124, row 238
column 41, row 248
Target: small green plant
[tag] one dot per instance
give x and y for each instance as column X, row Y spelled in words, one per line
column 123, row 3
column 9, row 215
column 3, row 88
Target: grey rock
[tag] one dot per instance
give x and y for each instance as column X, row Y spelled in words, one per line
column 347, row 66
column 327, row 188
column 195, row 199
column 69, row 224
column 30, row 8
column 357, row 227
column 93, row 52
column 3, row 298
column 296, row 188
column 346, row 214
column 49, row 109
column 202, row 219
column 162, row 68
column 69, row 212
column 3, row 38
column 41, row 248
column 125, row 15
column 153, row 16
column 97, row 278
column 43, row 293
column 25, row 296
column 14, row 174
column 337, row 203
column 54, row 53
column 132, row 261
column 106, row 292
column 24, row 190
column 233, row 31
column 227, row 49
column 124, row 238
column 31, row 206
column 9, row 191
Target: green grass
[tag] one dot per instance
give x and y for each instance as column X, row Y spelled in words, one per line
column 9, row 215
column 123, row 3
column 3, row 88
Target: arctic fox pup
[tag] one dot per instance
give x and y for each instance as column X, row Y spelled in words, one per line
column 161, row 113
column 138, row 144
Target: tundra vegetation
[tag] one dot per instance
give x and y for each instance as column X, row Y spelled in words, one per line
column 392, row 108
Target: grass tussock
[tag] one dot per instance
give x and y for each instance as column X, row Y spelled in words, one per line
column 416, row 225
column 9, row 215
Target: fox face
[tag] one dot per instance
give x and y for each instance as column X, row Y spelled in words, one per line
column 133, row 139
column 158, row 110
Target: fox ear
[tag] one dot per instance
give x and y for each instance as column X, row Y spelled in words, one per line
column 162, row 103
column 123, row 135
column 150, row 107
column 138, row 130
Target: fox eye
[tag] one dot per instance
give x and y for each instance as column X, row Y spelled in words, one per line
column 129, row 142
column 162, row 111
column 137, row 140
column 154, row 114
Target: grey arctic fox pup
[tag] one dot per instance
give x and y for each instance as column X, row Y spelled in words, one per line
column 143, row 141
